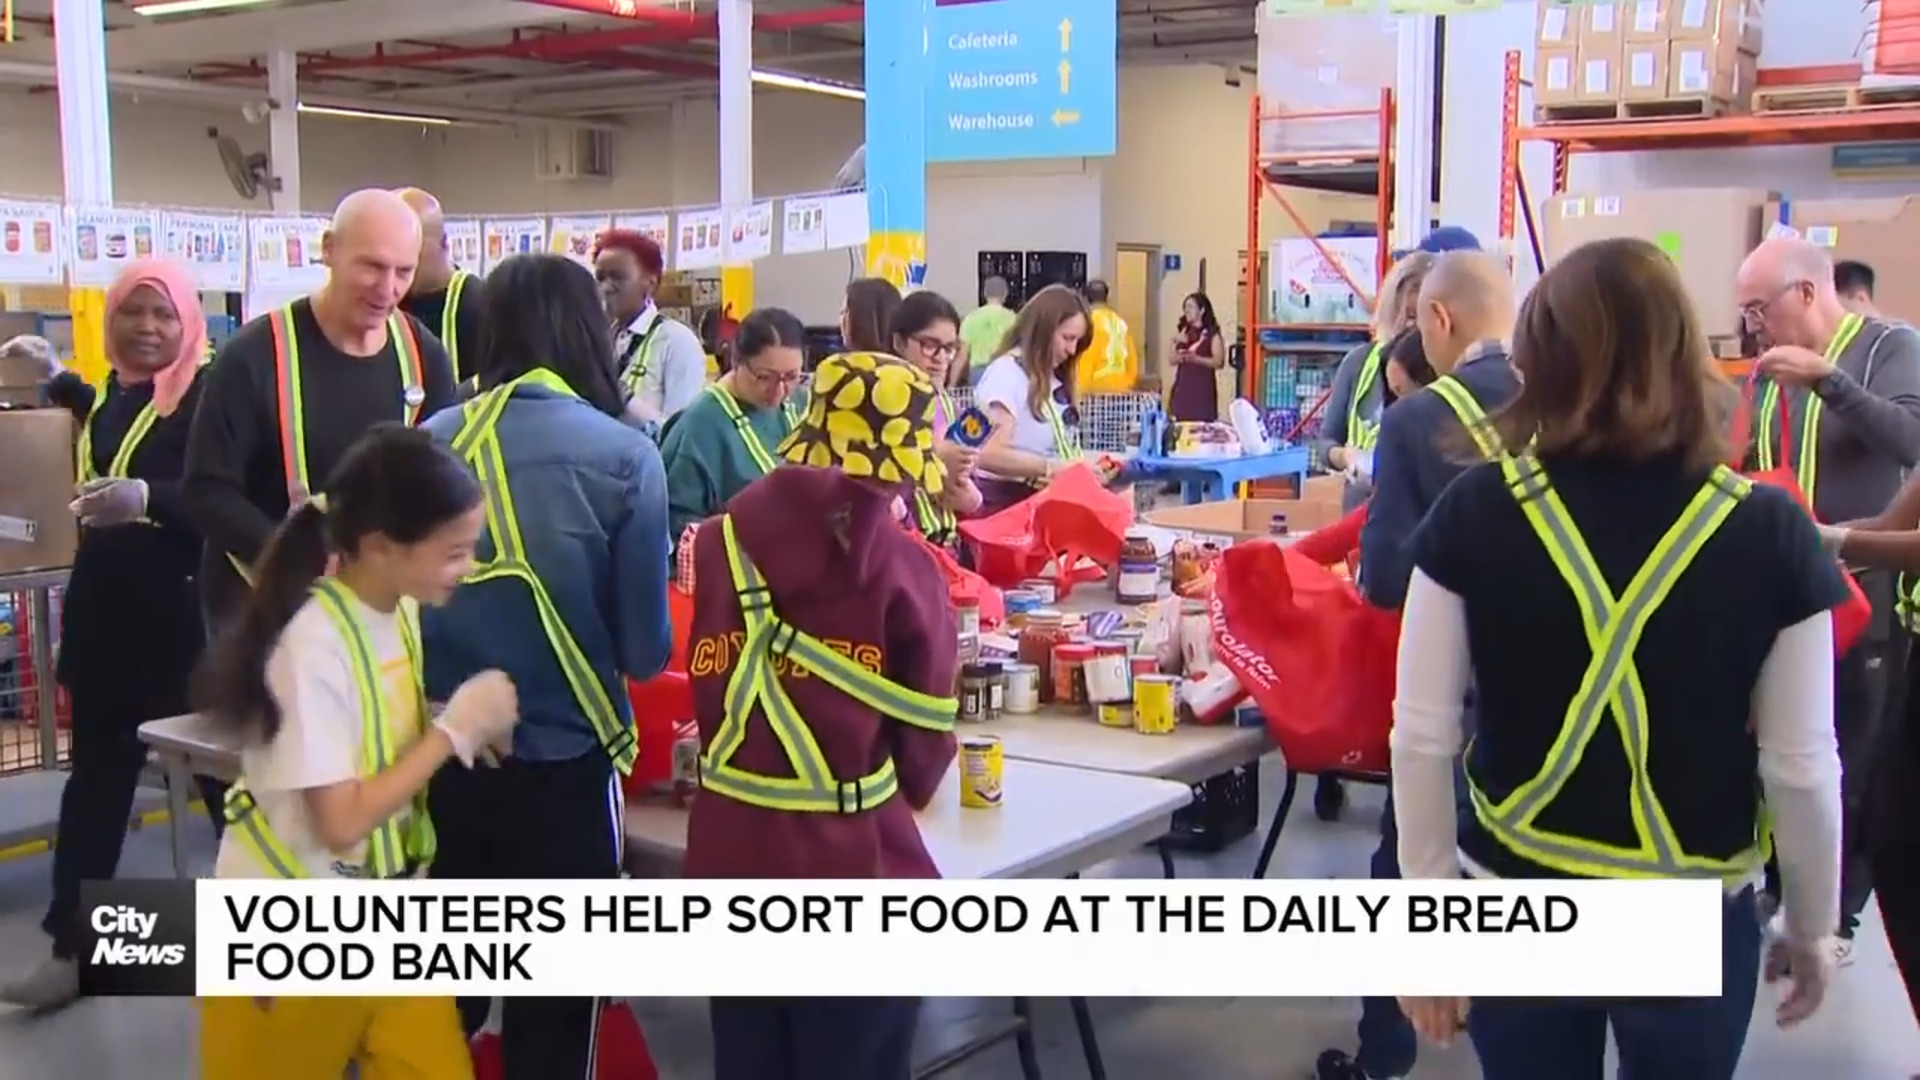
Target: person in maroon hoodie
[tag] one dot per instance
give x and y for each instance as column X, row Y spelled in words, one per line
column 811, row 573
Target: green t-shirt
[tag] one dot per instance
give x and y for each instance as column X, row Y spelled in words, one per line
column 707, row 459
column 982, row 331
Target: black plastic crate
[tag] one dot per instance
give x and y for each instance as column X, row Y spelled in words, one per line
column 1225, row 808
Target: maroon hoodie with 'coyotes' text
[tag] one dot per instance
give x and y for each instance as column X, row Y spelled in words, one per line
column 841, row 569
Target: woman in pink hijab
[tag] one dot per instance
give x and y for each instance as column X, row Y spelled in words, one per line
column 131, row 631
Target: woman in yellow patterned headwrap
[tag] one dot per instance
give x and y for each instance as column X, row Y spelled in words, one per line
column 871, row 416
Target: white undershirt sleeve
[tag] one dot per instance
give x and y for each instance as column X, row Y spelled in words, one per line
column 1800, row 773
column 1434, row 671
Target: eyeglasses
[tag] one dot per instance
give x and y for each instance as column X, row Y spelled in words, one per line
column 936, row 348
column 1754, row 312
column 775, row 378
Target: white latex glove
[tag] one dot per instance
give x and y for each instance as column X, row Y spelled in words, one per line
column 480, row 715
column 1360, row 465
column 642, row 412
column 110, row 501
column 958, row 459
column 1832, row 538
column 1807, row 969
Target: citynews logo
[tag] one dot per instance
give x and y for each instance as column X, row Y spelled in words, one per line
column 136, row 938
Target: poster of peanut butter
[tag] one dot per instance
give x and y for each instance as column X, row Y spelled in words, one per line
column 106, row 239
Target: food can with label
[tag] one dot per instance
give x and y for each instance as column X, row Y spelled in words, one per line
column 981, row 764
column 1023, row 688
column 1070, row 674
column 1143, row 664
column 1107, row 675
column 686, row 768
column 1117, row 714
column 1155, row 707
column 1042, row 588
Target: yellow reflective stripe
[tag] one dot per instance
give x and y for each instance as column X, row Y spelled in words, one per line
column 756, row 449
column 1363, row 433
column 293, row 413
column 249, row 825
column 1471, row 415
column 122, row 461
column 936, row 521
column 1766, row 422
column 376, row 742
column 1807, row 469
column 449, row 317
column 1066, row 445
column 1611, row 684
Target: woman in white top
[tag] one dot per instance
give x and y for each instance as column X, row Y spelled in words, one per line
column 1028, row 395
column 320, row 679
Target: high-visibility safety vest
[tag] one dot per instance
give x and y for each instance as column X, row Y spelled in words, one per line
column 1362, row 433
column 757, row 450
column 400, row 845
column 1612, row 689
column 292, row 411
column 1906, row 603
column 478, row 444
column 812, row 788
column 1467, row 408
column 1807, row 469
column 449, row 317
column 937, row 523
column 143, row 422
column 639, row 355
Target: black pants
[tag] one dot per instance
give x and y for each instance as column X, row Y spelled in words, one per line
column 531, row 819
column 1866, row 695
column 813, row 1038
column 1892, row 843
column 107, row 759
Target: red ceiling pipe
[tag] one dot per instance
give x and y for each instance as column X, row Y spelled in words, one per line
column 627, row 9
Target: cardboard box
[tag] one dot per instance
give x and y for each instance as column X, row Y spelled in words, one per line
column 1707, row 231
column 1884, row 233
column 1643, row 71
column 1247, row 519
column 1733, row 21
column 1645, row 20
column 1553, row 76
column 1559, row 25
column 1601, row 24
column 1305, row 287
column 1711, row 69
column 37, row 531
column 1598, row 77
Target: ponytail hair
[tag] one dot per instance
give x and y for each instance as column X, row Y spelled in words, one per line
column 396, row 482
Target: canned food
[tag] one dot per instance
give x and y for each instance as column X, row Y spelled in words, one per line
column 686, row 768
column 1155, row 704
column 1107, row 678
column 1023, row 688
column 1042, row 588
column 973, row 694
column 981, row 764
column 1070, row 674
column 1116, row 714
column 1143, row 664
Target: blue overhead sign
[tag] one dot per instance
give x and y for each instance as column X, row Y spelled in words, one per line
column 1022, row 79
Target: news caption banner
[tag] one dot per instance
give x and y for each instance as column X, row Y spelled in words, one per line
column 935, row 938
column 1011, row 79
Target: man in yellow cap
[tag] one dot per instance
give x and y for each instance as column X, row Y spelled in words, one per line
column 443, row 296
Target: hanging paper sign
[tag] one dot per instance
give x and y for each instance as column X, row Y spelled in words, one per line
column 750, row 235
column 29, row 248
column 506, row 237
column 284, row 255
column 212, row 247
column 804, row 226
column 1289, row 8
column 845, row 218
column 463, row 243
column 698, row 237
column 105, row 240
column 574, row 237
column 1441, row 7
column 655, row 227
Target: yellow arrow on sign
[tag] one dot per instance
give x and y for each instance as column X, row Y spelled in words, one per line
column 1066, row 34
column 1063, row 117
column 1066, row 76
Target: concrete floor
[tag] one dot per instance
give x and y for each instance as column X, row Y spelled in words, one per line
column 1865, row 1032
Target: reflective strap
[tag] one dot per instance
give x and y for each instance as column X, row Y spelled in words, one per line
column 249, row 825
column 812, row 788
column 286, row 370
column 1066, row 444
column 1472, row 417
column 129, row 445
column 756, row 449
column 1611, row 684
column 413, row 378
column 449, row 317
column 1807, row 469
column 635, row 363
column 478, row 444
column 1907, row 602
column 937, row 522
column 1361, row 432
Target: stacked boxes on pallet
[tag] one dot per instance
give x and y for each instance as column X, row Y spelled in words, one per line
column 1645, row 58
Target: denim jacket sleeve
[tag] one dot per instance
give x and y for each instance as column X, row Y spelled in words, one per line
column 642, row 568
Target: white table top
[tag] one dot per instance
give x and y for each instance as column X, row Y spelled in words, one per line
column 208, row 750
column 1187, row 754
column 1055, row 821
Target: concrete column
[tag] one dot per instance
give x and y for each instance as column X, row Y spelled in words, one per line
column 736, row 147
column 1413, row 150
column 283, row 131
column 896, row 50
column 86, row 155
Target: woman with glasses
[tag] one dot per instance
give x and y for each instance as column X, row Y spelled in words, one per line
column 1027, row 394
column 926, row 334
column 725, row 440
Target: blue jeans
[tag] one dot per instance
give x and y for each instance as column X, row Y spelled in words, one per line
column 1388, row 1044
column 1659, row 1038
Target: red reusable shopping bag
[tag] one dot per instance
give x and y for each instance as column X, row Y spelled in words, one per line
column 1316, row 658
column 1855, row 613
column 1073, row 519
column 622, row 1053
column 963, row 583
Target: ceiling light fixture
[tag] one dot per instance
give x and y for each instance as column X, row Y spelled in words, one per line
column 369, row 114
column 188, row 7
column 810, row 85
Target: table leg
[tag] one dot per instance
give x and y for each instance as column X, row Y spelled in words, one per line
column 1280, row 812
column 1166, row 860
column 179, row 799
column 1023, row 1040
column 1089, row 1041
column 1193, row 491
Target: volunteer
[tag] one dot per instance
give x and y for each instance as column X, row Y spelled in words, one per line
column 568, row 596
column 319, row 677
column 131, row 629
column 926, row 333
column 659, row 359
column 1350, row 420
column 1028, row 395
column 445, row 298
column 726, row 438
column 1111, row 364
column 866, row 315
column 823, row 646
column 295, row 387
column 984, row 328
column 1425, row 440
column 1854, row 282
column 1198, row 353
column 1617, row 733
column 1847, row 389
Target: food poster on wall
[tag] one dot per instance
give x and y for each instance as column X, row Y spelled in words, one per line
column 105, row 240
column 504, row 238
column 846, row 219
column 284, row 255
column 574, row 237
column 751, row 235
column 29, row 243
column 463, row 243
column 698, row 238
column 1441, row 7
column 655, row 227
column 804, row 226
column 211, row 246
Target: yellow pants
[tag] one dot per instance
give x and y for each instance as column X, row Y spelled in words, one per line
column 297, row 1038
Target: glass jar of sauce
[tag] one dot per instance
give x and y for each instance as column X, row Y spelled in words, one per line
column 1044, row 629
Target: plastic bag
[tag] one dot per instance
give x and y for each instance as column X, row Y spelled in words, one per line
column 1070, row 530
column 1316, row 658
column 964, row 583
column 621, row 1054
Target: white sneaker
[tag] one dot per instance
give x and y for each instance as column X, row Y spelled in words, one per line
column 1842, row 952
column 54, row 984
